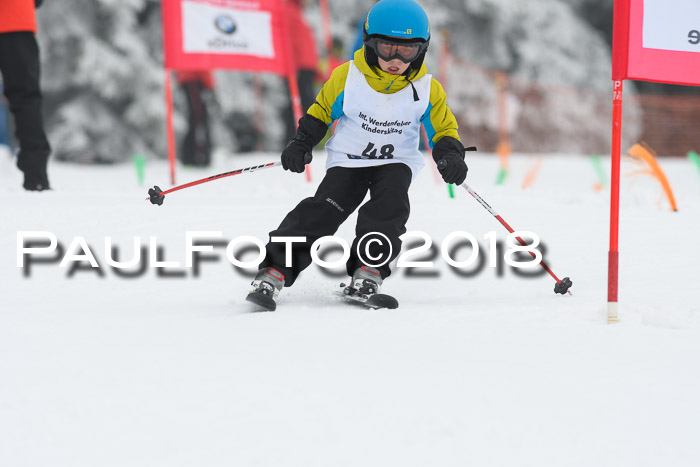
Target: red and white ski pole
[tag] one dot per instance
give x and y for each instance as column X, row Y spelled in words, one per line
column 157, row 196
column 562, row 285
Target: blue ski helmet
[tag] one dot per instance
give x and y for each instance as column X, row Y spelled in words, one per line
column 403, row 19
column 397, row 22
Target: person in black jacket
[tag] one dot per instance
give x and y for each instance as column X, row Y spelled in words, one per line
column 19, row 65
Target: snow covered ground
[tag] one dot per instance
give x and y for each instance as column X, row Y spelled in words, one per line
column 100, row 370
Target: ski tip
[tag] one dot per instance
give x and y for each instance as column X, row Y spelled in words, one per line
column 382, row 301
column 262, row 301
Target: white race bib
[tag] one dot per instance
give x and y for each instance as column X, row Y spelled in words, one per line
column 379, row 128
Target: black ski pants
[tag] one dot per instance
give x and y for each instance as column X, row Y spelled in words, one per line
column 19, row 65
column 339, row 194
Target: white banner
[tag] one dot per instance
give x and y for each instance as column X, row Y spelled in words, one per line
column 209, row 29
column 672, row 25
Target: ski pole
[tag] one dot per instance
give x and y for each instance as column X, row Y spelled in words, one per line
column 157, row 196
column 562, row 285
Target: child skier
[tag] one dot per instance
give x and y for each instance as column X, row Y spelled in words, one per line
column 380, row 100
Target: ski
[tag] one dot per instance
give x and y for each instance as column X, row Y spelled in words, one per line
column 263, row 301
column 374, row 301
column 348, row 294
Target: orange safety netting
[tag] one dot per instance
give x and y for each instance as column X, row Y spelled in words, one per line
column 502, row 113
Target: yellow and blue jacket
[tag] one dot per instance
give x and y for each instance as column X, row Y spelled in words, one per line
column 438, row 120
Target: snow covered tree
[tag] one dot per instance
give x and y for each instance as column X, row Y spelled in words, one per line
column 103, row 77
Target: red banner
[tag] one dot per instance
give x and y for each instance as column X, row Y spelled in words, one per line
column 657, row 40
column 246, row 35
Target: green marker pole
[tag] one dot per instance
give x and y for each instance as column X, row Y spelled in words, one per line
column 598, row 166
column 140, row 165
column 451, row 190
column 693, row 156
column 502, row 174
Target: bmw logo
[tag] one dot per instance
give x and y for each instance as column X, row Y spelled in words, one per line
column 225, row 24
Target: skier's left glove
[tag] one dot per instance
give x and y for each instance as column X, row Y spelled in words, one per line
column 298, row 152
column 449, row 156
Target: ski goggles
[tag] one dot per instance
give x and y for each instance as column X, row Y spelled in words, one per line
column 389, row 50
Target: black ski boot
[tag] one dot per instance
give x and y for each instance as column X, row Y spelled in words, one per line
column 266, row 286
column 365, row 287
column 366, row 281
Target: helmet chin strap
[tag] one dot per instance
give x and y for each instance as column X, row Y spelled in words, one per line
column 407, row 74
column 418, row 62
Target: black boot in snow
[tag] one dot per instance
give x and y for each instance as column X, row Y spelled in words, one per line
column 365, row 287
column 266, row 286
column 366, row 281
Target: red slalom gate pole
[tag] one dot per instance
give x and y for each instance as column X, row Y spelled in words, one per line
column 293, row 83
column 326, row 26
column 613, row 254
column 169, row 124
column 296, row 108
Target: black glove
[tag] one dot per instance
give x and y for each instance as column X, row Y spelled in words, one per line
column 296, row 155
column 298, row 152
column 449, row 156
column 37, row 3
